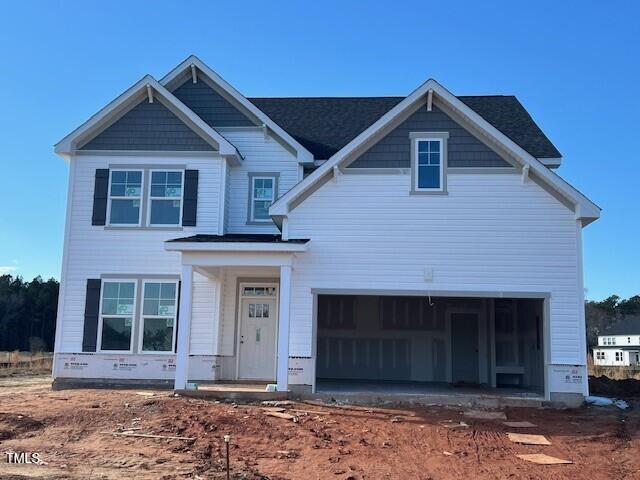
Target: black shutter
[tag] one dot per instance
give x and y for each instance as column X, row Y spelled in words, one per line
column 190, row 207
column 177, row 317
column 100, row 192
column 91, row 312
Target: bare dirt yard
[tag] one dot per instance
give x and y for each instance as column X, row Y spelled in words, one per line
column 72, row 431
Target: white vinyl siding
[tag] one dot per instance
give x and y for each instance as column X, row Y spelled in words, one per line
column 259, row 156
column 96, row 251
column 490, row 233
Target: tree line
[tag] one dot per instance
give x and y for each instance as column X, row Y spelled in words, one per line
column 27, row 313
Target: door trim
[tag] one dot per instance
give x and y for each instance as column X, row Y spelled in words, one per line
column 242, row 297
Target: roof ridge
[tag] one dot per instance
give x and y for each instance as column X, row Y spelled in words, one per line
column 358, row 97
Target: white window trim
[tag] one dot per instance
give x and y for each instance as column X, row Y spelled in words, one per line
column 252, row 199
column 133, row 315
column 140, row 198
column 151, row 198
column 442, row 138
column 142, row 317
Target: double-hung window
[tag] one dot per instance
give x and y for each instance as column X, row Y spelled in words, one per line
column 618, row 356
column 599, row 355
column 429, row 161
column 125, row 197
column 262, row 195
column 159, row 311
column 165, row 198
column 117, row 313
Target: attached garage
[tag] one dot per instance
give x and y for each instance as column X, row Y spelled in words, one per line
column 373, row 342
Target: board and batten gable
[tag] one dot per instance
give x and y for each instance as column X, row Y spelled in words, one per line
column 394, row 149
column 490, row 233
column 93, row 252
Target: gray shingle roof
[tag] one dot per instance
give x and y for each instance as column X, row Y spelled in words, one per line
column 323, row 125
column 626, row 326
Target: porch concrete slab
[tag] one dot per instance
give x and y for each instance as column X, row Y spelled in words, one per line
column 234, row 391
column 375, row 393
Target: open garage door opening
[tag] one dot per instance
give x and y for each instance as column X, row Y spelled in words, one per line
column 431, row 345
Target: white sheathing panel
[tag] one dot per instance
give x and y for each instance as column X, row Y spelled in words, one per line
column 260, row 155
column 96, row 250
column 490, row 233
column 204, row 316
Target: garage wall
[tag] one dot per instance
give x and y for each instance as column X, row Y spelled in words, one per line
column 367, row 350
column 490, row 232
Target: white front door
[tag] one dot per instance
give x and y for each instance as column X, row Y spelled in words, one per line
column 258, row 339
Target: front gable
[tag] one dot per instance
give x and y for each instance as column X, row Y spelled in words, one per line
column 434, row 95
column 210, row 105
column 146, row 117
column 148, row 126
column 394, row 150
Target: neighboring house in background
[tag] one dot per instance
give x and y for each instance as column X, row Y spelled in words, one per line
column 619, row 345
column 320, row 243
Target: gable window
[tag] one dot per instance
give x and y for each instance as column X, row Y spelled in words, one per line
column 165, row 198
column 125, row 196
column 429, row 162
column 262, row 193
column 159, row 310
column 117, row 312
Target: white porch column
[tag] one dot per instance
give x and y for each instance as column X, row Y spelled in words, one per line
column 184, row 328
column 283, row 328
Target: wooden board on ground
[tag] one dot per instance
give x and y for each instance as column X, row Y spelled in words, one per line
column 285, row 416
column 520, row 424
column 542, row 459
column 527, row 439
column 482, row 415
column 359, row 408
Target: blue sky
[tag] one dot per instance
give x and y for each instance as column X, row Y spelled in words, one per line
column 575, row 66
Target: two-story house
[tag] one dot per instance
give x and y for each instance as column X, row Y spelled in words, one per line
column 319, row 243
column 619, row 345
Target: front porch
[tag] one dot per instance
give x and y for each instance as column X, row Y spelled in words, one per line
column 234, row 308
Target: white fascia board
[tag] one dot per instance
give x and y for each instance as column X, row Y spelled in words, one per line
column 550, row 162
column 588, row 209
column 303, row 155
column 234, row 247
column 67, row 146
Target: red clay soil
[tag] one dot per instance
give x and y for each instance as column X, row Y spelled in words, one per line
column 67, row 427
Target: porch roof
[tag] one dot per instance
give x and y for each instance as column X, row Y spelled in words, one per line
column 238, row 242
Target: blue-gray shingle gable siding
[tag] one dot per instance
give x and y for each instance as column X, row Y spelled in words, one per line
column 394, row 150
column 148, row 126
column 209, row 105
